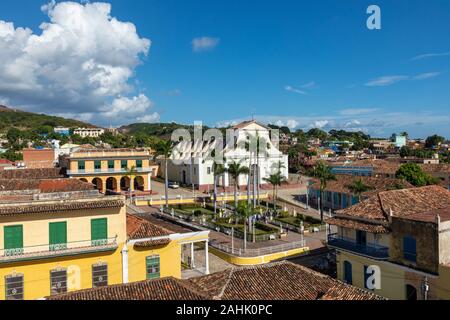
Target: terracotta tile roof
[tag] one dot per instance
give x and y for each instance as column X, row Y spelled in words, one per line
column 358, row 225
column 18, row 184
column 436, row 168
column 430, row 216
column 159, row 289
column 342, row 291
column 45, row 186
column 342, row 183
column 276, row 281
column 45, row 173
column 402, row 203
column 138, row 228
column 60, row 206
column 64, row 185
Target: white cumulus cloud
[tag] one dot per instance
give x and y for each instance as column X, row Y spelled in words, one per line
column 80, row 63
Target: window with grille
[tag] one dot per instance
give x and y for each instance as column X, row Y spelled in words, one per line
column 14, row 287
column 111, row 164
column 124, row 164
column 99, row 275
column 139, row 163
column 153, row 267
column 58, row 281
column 97, row 165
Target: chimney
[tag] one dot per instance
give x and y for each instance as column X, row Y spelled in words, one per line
column 391, row 214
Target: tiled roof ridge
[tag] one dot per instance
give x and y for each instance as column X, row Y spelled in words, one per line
column 387, row 211
column 59, row 205
column 387, row 214
column 355, row 288
column 188, row 285
column 126, row 285
column 279, row 263
column 222, row 291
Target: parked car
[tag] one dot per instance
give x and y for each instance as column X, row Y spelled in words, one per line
column 174, row 185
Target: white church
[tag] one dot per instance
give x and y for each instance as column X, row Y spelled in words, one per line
column 191, row 161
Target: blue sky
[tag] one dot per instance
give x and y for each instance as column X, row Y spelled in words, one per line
column 298, row 63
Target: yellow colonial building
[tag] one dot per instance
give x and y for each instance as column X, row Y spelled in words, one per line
column 108, row 169
column 396, row 244
column 62, row 235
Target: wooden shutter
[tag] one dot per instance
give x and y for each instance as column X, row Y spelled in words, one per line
column 99, row 231
column 13, row 239
column 58, row 235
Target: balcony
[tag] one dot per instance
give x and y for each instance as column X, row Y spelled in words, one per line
column 370, row 250
column 107, row 171
column 57, row 250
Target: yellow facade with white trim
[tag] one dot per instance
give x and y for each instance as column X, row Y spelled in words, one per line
column 36, row 271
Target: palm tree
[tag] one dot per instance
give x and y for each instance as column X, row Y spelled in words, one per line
column 244, row 211
column 164, row 148
column 218, row 170
column 323, row 173
column 130, row 173
column 276, row 179
column 260, row 144
column 235, row 169
column 358, row 187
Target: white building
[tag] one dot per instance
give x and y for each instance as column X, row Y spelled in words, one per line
column 191, row 161
column 89, row 132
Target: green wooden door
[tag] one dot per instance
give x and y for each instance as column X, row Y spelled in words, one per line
column 13, row 240
column 99, row 231
column 58, row 236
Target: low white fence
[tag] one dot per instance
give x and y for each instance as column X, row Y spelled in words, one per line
column 260, row 251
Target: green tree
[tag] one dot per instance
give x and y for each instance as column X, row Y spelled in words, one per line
column 235, row 169
column 164, row 148
column 358, row 187
column 414, row 174
column 317, row 133
column 244, row 211
column 12, row 155
column 13, row 135
column 434, row 141
column 276, row 180
column 323, row 173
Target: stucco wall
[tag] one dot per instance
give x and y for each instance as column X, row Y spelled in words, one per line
column 426, row 236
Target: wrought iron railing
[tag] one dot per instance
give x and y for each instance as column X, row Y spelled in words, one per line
column 370, row 249
column 105, row 171
column 61, row 249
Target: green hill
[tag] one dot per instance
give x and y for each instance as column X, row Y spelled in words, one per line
column 160, row 130
column 27, row 120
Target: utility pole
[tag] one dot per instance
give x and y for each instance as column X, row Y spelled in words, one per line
column 232, row 240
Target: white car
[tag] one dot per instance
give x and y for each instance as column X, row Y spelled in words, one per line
column 174, row 185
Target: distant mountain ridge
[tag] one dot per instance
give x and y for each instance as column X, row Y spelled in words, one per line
column 28, row 120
